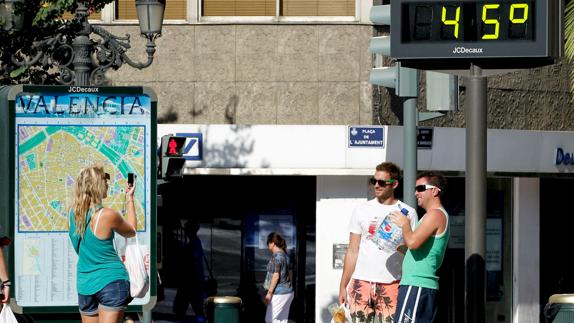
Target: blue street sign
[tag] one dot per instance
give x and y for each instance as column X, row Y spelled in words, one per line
column 366, row 137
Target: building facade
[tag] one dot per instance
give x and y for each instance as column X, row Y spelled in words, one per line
column 275, row 87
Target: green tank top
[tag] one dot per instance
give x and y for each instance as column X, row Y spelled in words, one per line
column 98, row 261
column 420, row 265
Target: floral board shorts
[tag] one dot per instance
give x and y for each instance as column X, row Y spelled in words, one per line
column 368, row 300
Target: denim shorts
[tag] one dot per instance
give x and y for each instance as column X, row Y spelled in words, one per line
column 114, row 297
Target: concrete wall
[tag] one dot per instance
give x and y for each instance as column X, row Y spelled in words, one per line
column 257, row 74
column 534, row 99
column 312, row 74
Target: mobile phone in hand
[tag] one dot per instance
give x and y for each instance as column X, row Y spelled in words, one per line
column 131, row 179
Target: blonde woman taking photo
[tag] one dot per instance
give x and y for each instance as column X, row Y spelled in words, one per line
column 102, row 280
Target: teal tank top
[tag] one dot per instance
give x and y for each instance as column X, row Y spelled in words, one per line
column 420, row 265
column 98, row 261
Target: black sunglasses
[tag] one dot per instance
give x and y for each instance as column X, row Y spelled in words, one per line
column 423, row 187
column 382, row 182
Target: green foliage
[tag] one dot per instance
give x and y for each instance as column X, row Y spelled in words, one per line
column 42, row 20
column 50, row 11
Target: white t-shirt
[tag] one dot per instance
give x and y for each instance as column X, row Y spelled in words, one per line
column 374, row 264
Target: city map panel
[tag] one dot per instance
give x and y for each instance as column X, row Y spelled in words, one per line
column 51, row 156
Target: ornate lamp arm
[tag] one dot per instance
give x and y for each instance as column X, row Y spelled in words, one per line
column 150, row 50
column 45, row 49
column 116, row 47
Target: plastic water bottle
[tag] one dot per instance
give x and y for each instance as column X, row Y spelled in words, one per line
column 388, row 235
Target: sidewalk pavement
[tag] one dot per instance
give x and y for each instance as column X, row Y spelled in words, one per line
column 162, row 311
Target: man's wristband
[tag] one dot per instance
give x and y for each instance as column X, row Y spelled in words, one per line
column 7, row 282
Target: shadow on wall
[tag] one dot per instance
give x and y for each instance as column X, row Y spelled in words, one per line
column 171, row 115
column 231, row 110
column 232, row 153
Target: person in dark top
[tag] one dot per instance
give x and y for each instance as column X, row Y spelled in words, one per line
column 191, row 289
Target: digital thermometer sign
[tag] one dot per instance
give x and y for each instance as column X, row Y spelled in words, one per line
column 490, row 34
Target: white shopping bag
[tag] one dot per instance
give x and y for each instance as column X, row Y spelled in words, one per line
column 7, row 316
column 135, row 265
column 343, row 316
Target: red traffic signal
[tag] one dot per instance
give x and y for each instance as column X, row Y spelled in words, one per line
column 172, row 146
column 172, row 161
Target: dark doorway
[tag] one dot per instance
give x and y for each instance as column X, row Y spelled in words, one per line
column 233, row 211
column 556, row 271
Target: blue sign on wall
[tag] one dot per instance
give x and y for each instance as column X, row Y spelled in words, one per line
column 193, row 145
column 366, row 137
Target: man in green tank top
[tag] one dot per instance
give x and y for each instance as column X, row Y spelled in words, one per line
column 426, row 248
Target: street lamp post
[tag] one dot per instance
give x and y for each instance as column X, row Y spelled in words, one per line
column 84, row 61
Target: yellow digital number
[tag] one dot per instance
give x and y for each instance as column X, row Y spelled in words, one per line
column 523, row 6
column 490, row 21
column 450, row 22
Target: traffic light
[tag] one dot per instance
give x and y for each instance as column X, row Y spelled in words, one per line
column 172, row 160
column 404, row 80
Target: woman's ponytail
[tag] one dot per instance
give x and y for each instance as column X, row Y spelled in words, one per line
column 278, row 240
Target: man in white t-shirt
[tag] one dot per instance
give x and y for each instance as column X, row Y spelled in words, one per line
column 371, row 272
